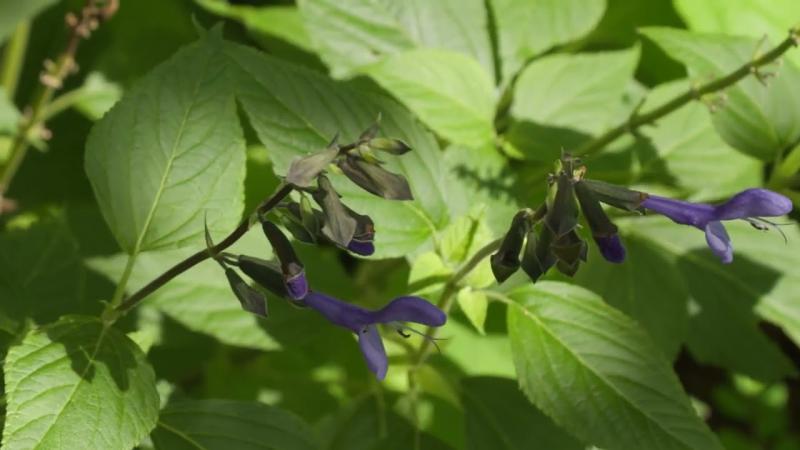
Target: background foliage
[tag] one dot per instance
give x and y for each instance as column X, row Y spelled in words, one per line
column 669, row 350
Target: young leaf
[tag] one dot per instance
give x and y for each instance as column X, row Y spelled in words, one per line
column 474, row 305
column 78, row 384
column 569, row 346
column 169, row 153
column 193, row 424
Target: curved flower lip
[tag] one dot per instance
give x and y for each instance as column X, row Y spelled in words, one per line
column 754, row 203
column 611, row 248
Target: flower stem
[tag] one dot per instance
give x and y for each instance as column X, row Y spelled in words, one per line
column 202, row 255
column 637, row 120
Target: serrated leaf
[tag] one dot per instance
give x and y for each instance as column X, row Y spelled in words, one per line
column 597, row 374
column 170, row 153
column 11, row 13
column 499, row 416
column 349, row 34
column 755, row 119
column 690, row 152
column 230, row 425
column 754, row 18
column 527, row 28
column 575, row 91
column 726, row 300
column 450, row 92
column 41, row 273
column 474, row 305
column 78, row 384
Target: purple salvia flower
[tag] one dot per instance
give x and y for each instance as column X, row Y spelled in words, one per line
column 363, row 322
column 611, row 248
column 297, row 285
column 750, row 205
column 363, row 248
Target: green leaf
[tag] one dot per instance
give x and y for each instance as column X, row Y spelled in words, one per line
column 464, row 343
column 578, row 92
column 754, row 18
column 9, row 116
column 474, row 305
column 597, row 373
column 645, row 287
column 757, row 120
column 97, row 96
column 171, row 153
column 13, row 12
column 526, row 28
column 726, row 299
column 201, row 299
column 78, row 384
column 450, row 92
column 41, row 273
column 295, row 111
column 499, row 416
column 690, row 153
column 349, row 34
column 230, row 425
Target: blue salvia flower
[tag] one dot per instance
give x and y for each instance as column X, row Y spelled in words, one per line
column 363, row 322
column 750, row 205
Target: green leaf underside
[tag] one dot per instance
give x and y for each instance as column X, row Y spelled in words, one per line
column 726, row 301
column 230, row 425
column 755, row 119
column 447, row 90
column 597, row 373
column 76, row 384
column 499, row 416
column 350, row 34
column 170, row 154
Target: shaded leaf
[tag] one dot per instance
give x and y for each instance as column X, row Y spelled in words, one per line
column 12, row 13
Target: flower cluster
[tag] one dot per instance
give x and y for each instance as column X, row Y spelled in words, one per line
column 550, row 238
column 336, row 223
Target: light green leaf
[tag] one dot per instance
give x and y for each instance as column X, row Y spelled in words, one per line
column 726, row 299
column 41, row 273
column 758, row 120
column 295, row 111
column 171, row 153
column 474, row 305
column 78, row 384
column 463, row 238
column 450, row 92
column 97, row 96
column 575, row 91
column 597, row 373
column 692, row 154
column 499, row 416
column 526, row 28
column 464, row 343
column 13, row 12
column 349, row 34
column 230, row 425
column 201, row 299
column 9, row 116
column 754, row 18
column 428, row 274
column 645, row 287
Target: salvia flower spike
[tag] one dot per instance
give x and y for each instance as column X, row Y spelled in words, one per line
column 750, row 205
column 364, row 322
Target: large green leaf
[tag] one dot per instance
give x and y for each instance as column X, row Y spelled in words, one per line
column 349, row 34
column 645, row 287
column 726, row 300
column 526, row 28
column 447, row 90
column 689, row 152
column 12, row 12
column 41, row 274
column 230, row 425
column 499, row 416
column 597, row 373
column 759, row 120
column 296, row 111
column 171, row 153
column 754, row 18
column 78, row 384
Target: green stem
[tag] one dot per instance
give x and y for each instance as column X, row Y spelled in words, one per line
column 109, row 314
column 785, row 169
column 637, row 120
column 14, row 58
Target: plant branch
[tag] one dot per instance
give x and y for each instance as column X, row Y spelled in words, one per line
column 51, row 80
column 695, row 93
column 202, row 255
